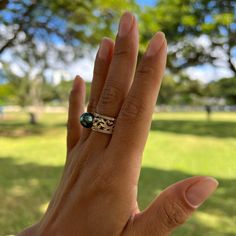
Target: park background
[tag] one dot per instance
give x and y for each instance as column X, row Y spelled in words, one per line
column 44, row 44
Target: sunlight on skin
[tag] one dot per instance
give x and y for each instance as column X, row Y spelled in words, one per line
column 43, row 207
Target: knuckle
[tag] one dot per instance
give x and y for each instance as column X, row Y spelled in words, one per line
column 111, row 94
column 122, row 52
column 145, row 70
column 99, row 70
column 174, row 214
column 132, row 110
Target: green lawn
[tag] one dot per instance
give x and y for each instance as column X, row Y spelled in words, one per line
column 180, row 145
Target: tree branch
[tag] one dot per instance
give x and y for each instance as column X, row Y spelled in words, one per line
column 3, row 4
column 232, row 66
column 230, row 45
column 9, row 42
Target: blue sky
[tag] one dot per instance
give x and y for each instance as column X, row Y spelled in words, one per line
column 146, row 2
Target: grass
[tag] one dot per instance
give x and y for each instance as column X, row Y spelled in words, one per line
column 180, row 145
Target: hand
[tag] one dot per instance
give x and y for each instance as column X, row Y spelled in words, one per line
column 97, row 194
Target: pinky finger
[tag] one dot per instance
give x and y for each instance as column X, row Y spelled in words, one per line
column 76, row 108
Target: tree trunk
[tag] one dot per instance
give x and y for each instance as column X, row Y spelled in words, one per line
column 3, row 4
column 32, row 118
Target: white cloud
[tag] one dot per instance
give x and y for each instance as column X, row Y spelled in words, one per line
column 203, row 41
column 83, row 67
column 207, row 73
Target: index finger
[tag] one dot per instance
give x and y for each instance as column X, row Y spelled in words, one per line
column 134, row 120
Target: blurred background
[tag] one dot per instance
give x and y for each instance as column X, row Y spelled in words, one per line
column 44, row 44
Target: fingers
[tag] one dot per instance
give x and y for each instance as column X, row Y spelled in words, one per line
column 101, row 66
column 121, row 72
column 174, row 206
column 76, row 108
column 133, row 122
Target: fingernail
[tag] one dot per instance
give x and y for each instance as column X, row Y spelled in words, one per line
column 155, row 44
column 76, row 82
column 126, row 23
column 200, row 191
column 104, row 49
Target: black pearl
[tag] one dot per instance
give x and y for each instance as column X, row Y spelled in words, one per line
column 86, row 119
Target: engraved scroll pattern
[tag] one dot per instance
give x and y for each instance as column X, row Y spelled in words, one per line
column 103, row 125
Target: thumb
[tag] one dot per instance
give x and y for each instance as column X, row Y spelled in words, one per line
column 174, row 206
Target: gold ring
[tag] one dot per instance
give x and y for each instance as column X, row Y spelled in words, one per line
column 103, row 124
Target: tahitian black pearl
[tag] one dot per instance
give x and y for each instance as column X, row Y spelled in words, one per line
column 86, row 119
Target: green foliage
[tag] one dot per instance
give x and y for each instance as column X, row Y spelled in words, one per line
column 189, row 20
column 49, row 31
column 88, row 89
column 224, row 88
column 184, row 21
column 167, row 91
column 180, row 90
column 6, row 94
column 68, row 29
column 225, row 19
column 72, row 23
column 63, row 89
column 25, row 91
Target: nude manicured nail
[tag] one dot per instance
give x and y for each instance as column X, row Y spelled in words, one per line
column 155, row 44
column 76, row 82
column 104, row 49
column 126, row 23
column 200, row 191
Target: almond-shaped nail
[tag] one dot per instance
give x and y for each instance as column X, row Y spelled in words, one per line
column 200, row 191
column 104, row 48
column 126, row 23
column 155, row 44
column 76, row 82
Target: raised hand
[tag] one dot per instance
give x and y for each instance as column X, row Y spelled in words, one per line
column 97, row 194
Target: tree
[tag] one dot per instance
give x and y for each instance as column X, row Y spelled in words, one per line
column 223, row 88
column 57, row 23
column 167, row 91
column 6, row 94
column 63, row 88
column 27, row 90
column 180, row 90
column 38, row 33
column 198, row 32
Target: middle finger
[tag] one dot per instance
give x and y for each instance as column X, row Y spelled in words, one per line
column 120, row 74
